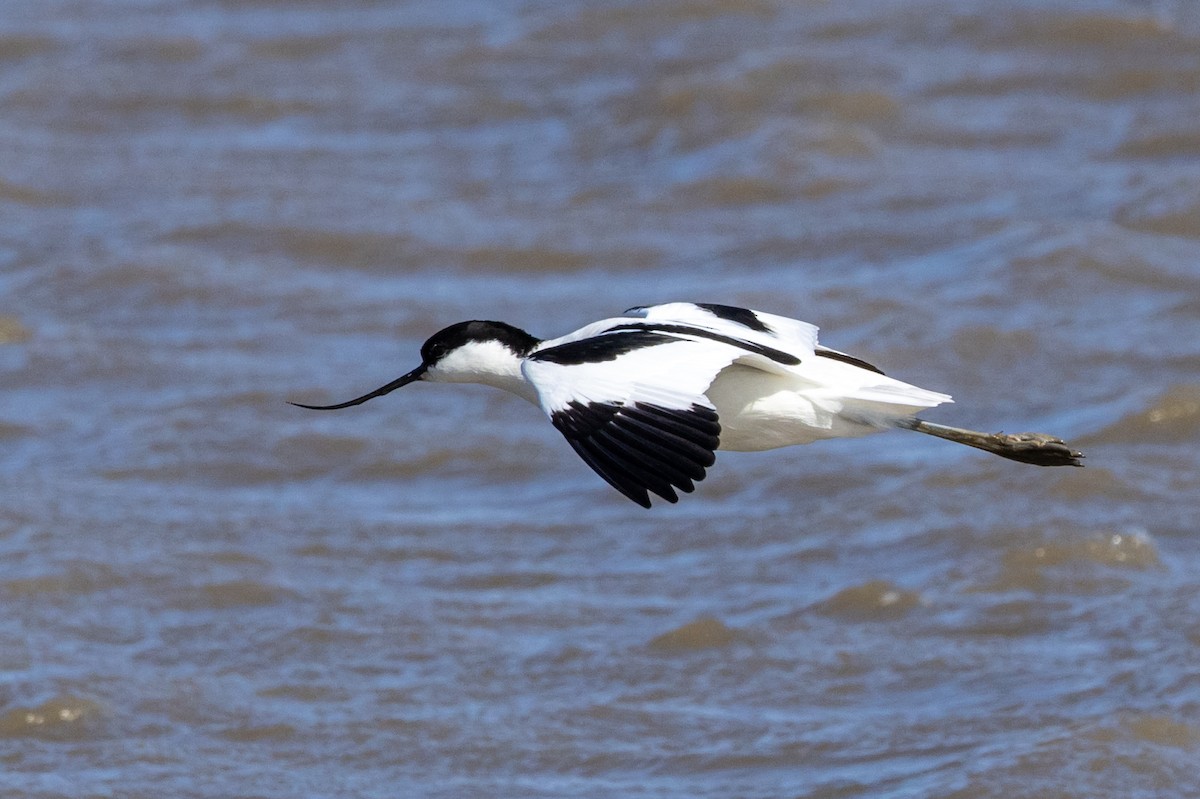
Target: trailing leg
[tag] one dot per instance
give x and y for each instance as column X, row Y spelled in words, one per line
column 1036, row 448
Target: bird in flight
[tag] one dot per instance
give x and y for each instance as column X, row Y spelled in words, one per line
column 647, row 398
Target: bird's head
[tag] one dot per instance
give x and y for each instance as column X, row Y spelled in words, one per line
column 468, row 352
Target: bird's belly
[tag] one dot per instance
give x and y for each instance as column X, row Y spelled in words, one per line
column 765, row 411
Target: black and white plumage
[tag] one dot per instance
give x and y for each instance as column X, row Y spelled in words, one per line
column 647, row 398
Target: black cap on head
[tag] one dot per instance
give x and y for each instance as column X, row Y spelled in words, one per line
column 454, row 336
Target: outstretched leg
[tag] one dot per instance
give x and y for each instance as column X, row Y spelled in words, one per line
column 1036, row 448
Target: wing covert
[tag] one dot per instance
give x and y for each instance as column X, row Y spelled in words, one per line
column 763, row 329
column 630, row 400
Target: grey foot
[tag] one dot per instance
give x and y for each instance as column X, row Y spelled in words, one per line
column 1036, row 448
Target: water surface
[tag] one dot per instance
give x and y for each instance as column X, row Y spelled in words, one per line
column 210, row 207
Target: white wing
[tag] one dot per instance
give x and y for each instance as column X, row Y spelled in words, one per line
column 768, row 330
column 855, row 379
column 630, row 401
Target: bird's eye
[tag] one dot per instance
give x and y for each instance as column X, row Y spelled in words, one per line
column 431, row 352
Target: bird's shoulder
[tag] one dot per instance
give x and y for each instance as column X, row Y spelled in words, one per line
column 780, row 339
column 739, row 324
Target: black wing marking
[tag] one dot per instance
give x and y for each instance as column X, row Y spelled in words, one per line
column 779, row 356
column 834, row 355
column 642, row 447
column 627, row 337
column 607, row 346
column 741, row 316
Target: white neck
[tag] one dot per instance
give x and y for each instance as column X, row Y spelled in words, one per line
column 488, row 363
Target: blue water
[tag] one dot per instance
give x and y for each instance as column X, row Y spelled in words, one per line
column 210, row 208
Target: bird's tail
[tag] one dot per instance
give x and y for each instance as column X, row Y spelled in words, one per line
column 1036, row 448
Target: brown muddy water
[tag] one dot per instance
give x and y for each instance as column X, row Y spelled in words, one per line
column 211, row 207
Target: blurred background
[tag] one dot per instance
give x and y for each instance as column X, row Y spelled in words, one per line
column 208, row 207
